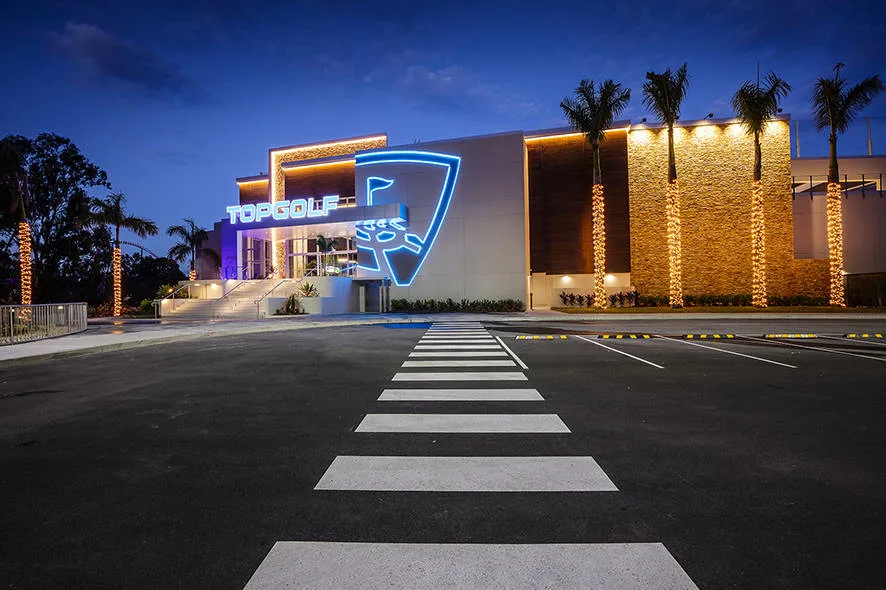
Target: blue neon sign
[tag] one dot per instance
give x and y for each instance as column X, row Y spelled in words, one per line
column 404, row 252
column 282, row 210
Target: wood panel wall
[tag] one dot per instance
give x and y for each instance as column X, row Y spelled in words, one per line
column 560, row 181
column 337, row 179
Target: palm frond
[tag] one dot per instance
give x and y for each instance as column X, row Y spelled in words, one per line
column 858, row 97
column 593, row 107
column 177, row 230
column 180, row 252
column 664, row 93
column 139, row 226
column 754, row 104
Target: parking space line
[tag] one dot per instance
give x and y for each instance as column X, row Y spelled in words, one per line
column 636, row 358
column 512, row 353
column 854, row 340
column 794, row 344
column 756, row 358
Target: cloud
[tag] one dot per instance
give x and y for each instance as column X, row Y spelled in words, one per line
column 105, row 59
column 450, row 88
column 177, row 158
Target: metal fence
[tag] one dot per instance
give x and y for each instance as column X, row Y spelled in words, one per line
column 861, row 185
column 23, row 323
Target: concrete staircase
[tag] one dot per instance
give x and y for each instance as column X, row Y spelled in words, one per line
column 244, row 301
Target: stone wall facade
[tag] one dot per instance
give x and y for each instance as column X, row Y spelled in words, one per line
column 715, row 172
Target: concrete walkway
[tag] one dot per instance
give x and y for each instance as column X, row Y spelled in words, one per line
column 105, row 334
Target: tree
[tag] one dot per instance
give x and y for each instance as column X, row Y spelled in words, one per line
column 755, row 105
column 70, row 259
column 189, row 246
column 663, row 94
column 143, row 275
column 835, row 106
column 111, row 212
column 592, row 111
column 17, row 197
column 326, row 245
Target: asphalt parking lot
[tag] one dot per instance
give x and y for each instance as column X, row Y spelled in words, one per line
column 745, row 462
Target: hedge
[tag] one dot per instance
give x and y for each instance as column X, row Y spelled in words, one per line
column 450, row 305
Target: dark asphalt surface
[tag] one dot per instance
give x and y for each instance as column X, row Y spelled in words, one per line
column 180, row 465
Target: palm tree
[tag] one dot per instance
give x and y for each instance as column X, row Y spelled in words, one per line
column 592, row 111
column 189, row 245
column 755, row 105
column 111, row 212
column 326, row 245
column 663, row 94
column 835, row 106
column 18, row 197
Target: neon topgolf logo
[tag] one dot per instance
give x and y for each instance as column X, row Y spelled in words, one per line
column 389, row 241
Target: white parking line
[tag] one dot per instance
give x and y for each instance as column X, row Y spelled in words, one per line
column 756, row 358
column 856, row 340
column 512, row 353
column 794, row 344
column 636, row 358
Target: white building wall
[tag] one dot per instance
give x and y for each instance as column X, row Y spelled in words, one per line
column 481, row 250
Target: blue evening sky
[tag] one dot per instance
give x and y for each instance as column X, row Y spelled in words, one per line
column 174, row 99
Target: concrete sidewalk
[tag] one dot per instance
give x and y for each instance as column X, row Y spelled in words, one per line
column 107, row 334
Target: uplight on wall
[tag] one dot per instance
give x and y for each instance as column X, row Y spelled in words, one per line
column 566, row 279
column 609, row 279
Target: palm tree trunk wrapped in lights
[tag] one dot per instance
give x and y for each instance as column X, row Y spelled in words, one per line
column 675, row 245
column 663, row 94
column 756, row 104
column 118, row 282
column 190, row 245
column 599, row 234
column 834, row 106
column 758, row 247
column 24, row 257
column 111, row 212
column 592, row 111
column 835, row 243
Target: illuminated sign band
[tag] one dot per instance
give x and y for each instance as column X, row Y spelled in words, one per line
column 283, row 210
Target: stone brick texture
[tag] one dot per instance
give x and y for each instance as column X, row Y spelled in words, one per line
column 715, row 173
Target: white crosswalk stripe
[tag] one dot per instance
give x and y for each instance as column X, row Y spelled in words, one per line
column 461, row 376
column 460, row 395
column 474, row 423
column 457, row 363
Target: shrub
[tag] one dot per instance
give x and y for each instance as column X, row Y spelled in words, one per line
column 449, row 305
column 292, row 306
column 308, row 290
column 147, row 305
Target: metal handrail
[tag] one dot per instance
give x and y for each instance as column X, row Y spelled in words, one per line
column 185, row 286
column 23, row 323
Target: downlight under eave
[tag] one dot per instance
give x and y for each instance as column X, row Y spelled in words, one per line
column 404, row 259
